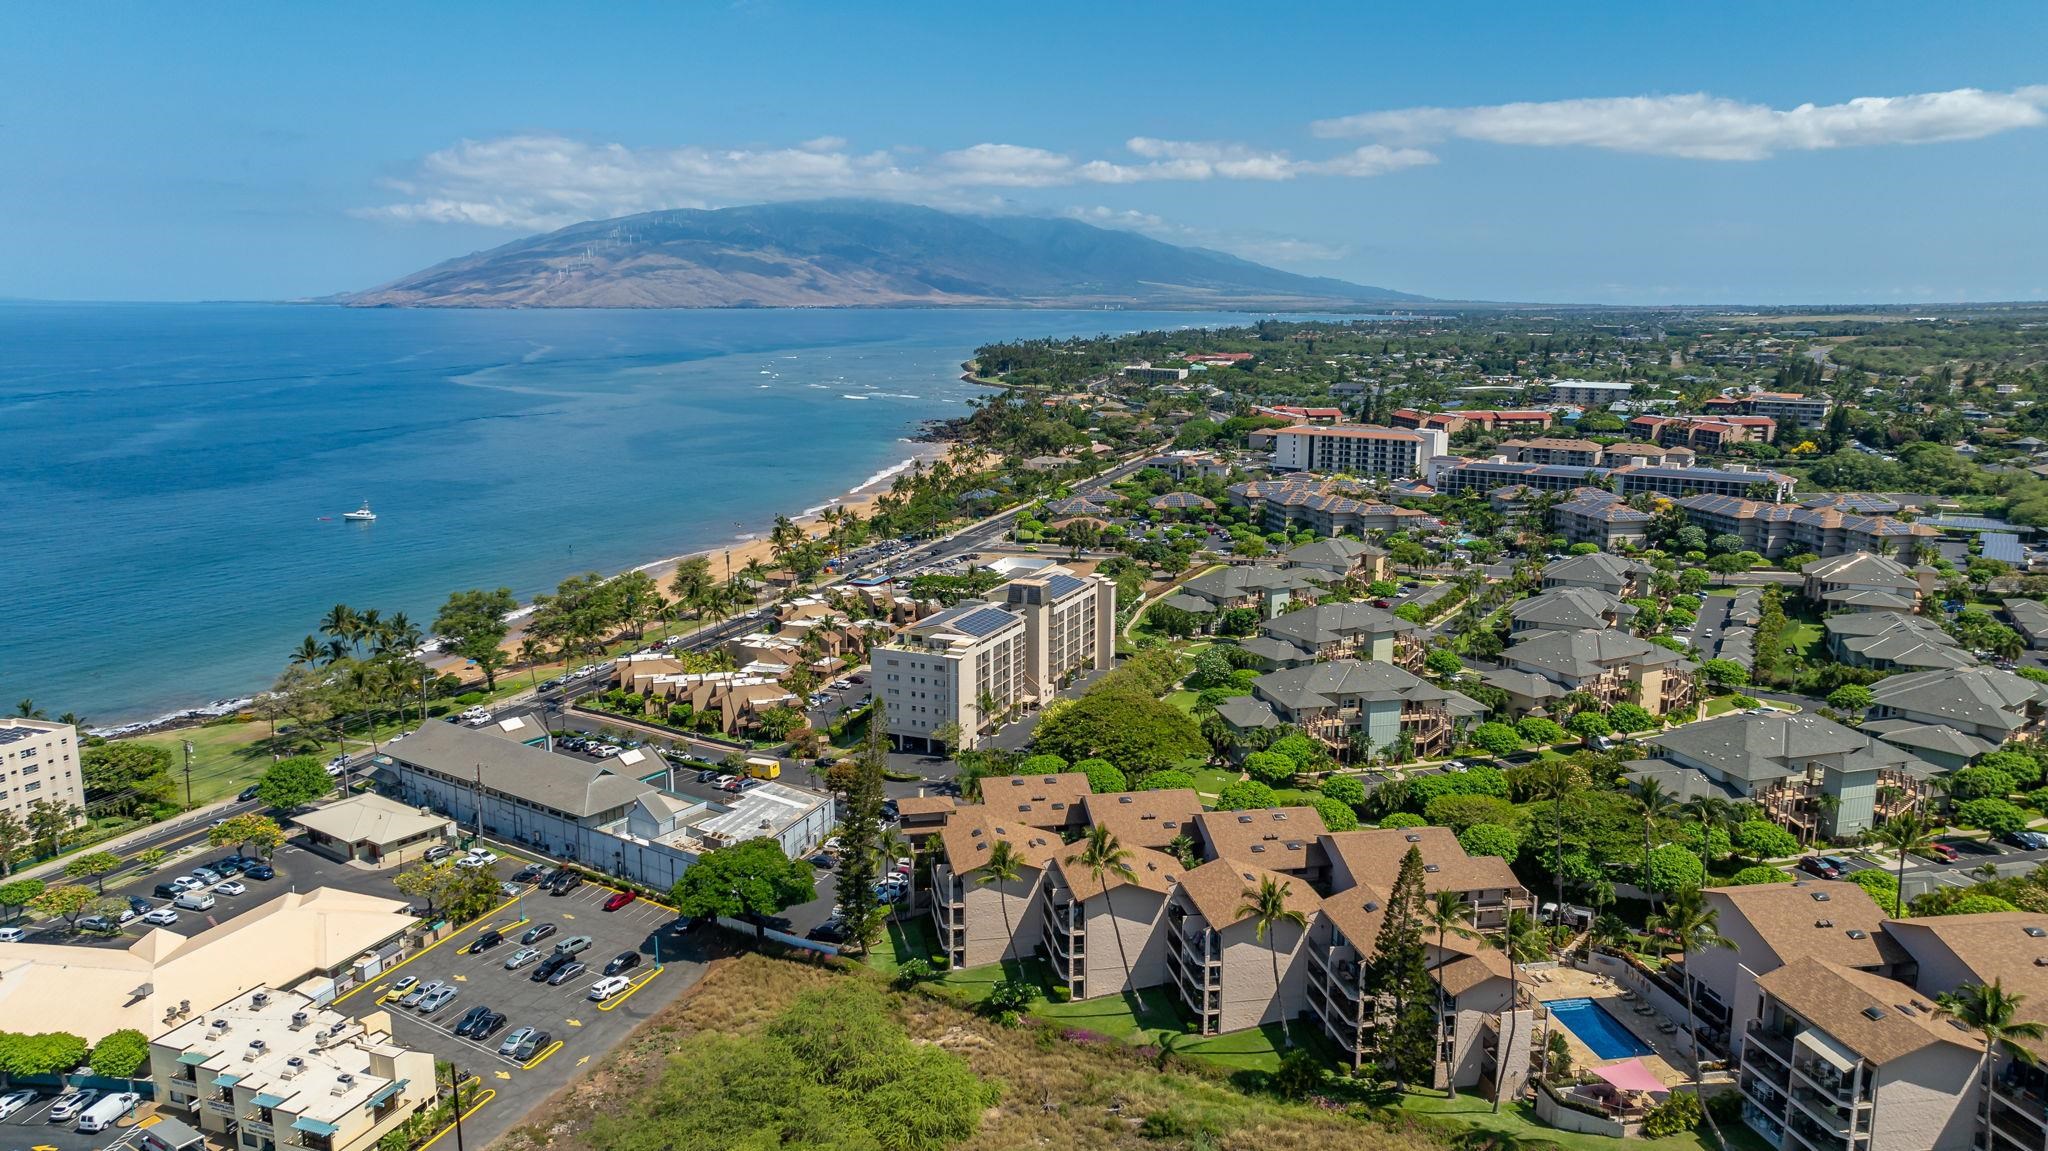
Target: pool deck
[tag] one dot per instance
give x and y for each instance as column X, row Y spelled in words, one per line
column 1670, row 1062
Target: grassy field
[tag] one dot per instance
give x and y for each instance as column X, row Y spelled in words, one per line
column 226, row 757
column 1518, row 1121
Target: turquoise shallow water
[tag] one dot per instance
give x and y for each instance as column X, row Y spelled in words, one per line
column 165, row 469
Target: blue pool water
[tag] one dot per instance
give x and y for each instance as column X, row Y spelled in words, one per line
column 1597, row 1029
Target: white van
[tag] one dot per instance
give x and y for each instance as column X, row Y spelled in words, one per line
column 194, row 901
column 13, row 934
column 108, row 1111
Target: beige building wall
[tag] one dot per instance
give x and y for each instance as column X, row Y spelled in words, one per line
column 39, row 761
column 1249, row 993
column 1140, row 917
column 978, row 910
column 1926, row 1101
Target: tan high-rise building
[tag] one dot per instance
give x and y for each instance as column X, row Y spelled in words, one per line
column 974, row 663
column 39, row 760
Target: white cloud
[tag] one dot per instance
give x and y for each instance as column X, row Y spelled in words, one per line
column 1261, row 246
column 543, row 182
column 1703, row 127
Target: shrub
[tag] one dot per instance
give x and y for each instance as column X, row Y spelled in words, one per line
column 1346, row 789
column 1629, row 717
column 1041, row 765
column 1060, row 993
column 1675, row 1116
column 1883, row 887
column 1300, row 1075
column 1270, row 768
column 1103, row 776
column 1762, row 839
column 1497, row 738
column 1674, row 868
column 1404, row 819
column 1337, row 815
column 1535, row 729
column 1172, row 777
column 2024, row 769
column 1762, row 874
column 1997, row 816
column 1244, row 795
column 1459, row 812
column 1490, row 839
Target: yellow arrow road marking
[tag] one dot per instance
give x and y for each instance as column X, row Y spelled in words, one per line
column 582, row 1061
column 575, row 1023
column 566, row 915
column 504, row 1075
column 462, row 979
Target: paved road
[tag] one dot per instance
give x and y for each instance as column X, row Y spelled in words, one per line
column 1706, row 634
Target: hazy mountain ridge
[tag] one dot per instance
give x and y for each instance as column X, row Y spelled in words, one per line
column 851, row 254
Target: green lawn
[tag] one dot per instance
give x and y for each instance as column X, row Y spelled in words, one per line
column 1518, row 1121
column 226, row 757
column 1211, row 780
column 1184, row 700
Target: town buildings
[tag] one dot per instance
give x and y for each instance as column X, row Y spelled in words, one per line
column 1265, row 588
column 1785, row 763
column 1618, row 576
column 1893, row 641
column 1825, row 526
column 1601, row 518
column 1324, row 506
column 1861, row 581
column 1784, row 407
column 1612, row 666
column 1731, row 480
column 1355, row 707
column 1357, row 449
column 1337, row 631
column 273, row 1068
column 1711, row 433
column 1588, row 393
column 39, row 761
column 1342, row 557
column 1550, row 450
column 1451, row 423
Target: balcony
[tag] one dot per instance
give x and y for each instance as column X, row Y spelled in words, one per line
column 1765, row 1095
column 2013, row 1133
column 1779, row 1045
column 1832, row 1117
column 1826, row 1081
column 2021, row 1098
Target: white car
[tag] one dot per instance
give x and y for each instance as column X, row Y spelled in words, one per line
column 67, row 1108
column 480, row 720
column 14, row 1101
column 188, row 883
column 231, row 887
column 607, row 987
column 161, row 916
column 478, row 857
column 338, row 763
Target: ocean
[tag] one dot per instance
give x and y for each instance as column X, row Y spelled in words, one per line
column 173, row 476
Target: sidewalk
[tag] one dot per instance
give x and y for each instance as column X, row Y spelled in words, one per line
column 189, row 821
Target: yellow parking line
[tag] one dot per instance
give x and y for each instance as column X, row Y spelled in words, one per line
column 423, row 951
column 489, row 1094
column 542, row 1057
column 622, row 996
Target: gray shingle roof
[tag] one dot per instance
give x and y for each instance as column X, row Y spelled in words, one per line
column 1330, row 622
column 1326, row 684
column 1569, row 608
column 1757, row 748
column 555, row 782
column 1600, row 568
column 1232, row 582
column 1335, row 551
column 1981, row 696
column 1578, row 655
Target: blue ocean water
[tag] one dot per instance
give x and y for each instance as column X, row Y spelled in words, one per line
column 172, row 476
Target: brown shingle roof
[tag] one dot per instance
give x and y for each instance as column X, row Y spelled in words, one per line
column 1039, row 800
column 1217, row 890
column 1145, row 818
column 1151, row 870
column 924, row 805
column 967, row 837
column 1795, row 924
column 1993, row 947
column 1866, row 1013
column 1359, row 912
column 1374, row 856
column 1275, row 838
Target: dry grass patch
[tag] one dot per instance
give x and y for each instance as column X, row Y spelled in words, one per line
column 1056, row 1093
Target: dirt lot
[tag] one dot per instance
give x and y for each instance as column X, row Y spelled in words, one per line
column 1055, row 1093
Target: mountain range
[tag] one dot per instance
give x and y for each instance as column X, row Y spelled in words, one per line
column 837, row 254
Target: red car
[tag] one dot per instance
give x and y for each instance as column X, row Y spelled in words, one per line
column 619, row 899
column 1943, row 852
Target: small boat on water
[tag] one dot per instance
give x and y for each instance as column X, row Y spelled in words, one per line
column 361, row 515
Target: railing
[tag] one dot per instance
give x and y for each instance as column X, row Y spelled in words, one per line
column 2018, row 1132
column 1771, row 1041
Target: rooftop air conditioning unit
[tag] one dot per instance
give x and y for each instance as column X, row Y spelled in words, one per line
column 260, row 998
column 300, row 1019
column 342, row 1083
column 293, row 1068
column 254, row 1051
column 220, row 1025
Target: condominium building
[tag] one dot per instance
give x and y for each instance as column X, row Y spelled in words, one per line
column 271, row 1069
column 1357, row 449
column 1450, row 423
column 1106, row 934
column 1601, row 518
column 1988, row 705
column 1453, row 475
column 1589, row 393
column 1613, row 666
column 1549, row 450
column 1219, row 960
column 1618, row 576
column 1771, row 925
column 1843, row 1058
column 975, row 916
column 1825, row 526
column 1861, row 581
column 1355, row 708
column 1786, row 764
column 1569, row 609
column 1710, row 433
column 965, row 668
column 1265, row 588
column 1337, row 631
column 1784, row 407
column 2030, row 618
column 1373, row 857
column 1326, row 507
column 39, row 761
column 1733, row 480
column 1893, row 641
column 1342, row 557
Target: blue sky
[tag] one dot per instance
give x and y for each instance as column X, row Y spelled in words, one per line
column 1620, row 153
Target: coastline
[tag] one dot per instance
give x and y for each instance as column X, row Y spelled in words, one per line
column 741, row 548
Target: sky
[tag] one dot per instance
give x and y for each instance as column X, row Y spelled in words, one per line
column 1587, row 153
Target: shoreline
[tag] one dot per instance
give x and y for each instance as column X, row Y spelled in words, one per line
column 742, row 547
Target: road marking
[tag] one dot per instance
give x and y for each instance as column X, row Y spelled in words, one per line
column 628, row 993
column 488, row 1095
column 503, row 1074
column 462, row 979
column 540, row 1058
column 423, row 951
column 567, row 915
column 582, row 1061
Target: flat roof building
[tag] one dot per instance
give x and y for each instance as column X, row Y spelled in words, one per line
column 39, row 761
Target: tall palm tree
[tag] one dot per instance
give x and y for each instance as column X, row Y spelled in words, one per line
column 1655, row 803
column 1905, row 833
column 308, row 652
column 1519, row 939
column 1553, row 781
column 530, row 653
column 1710, row 812
column 1994, row 1013
column 1695, row 925
column 1449, row 913
column 340, row 622
column 1002, row 866
column 1102, row 856
column 1268, row 909
column 27, row 709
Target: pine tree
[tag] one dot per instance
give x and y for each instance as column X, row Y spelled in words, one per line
column 860, row 833
column 1399, row 978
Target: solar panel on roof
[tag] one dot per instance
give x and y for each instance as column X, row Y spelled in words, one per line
column 2003, row 547
column 983, row 621
column 1060, row 585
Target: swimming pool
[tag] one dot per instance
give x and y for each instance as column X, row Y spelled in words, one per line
column 1597, row 1029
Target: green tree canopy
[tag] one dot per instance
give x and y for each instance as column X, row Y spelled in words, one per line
column 120, row 1054
column 1997, row 816
column 1245, row 795
column 1850, row 697
column 1490, row 839
column 1762, row 839
column 1135, row 732
column 293, row 782
column 1171, row 778
column 1761, row 873
column 1980, row 783
column 44, row 1053
column 1538, row 730
column 1345, row 789
column 1629, row 717
column 1337, row 816
column 1459, row 812
column 750, row 879
column 1040, row 765
column 1674, row 867
column 1103, row 776
column 1498, row 738
column 1270, row 768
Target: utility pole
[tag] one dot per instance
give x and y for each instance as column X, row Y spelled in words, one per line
column 455, row 1082
column 188, row 774
column 477, row 801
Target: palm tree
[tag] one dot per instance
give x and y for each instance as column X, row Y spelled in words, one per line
column 1001, row 867
column 27, row 709
column 1553, row 781
column 1906, row 833
column 1104, row 857
column 308, row 652
column 1267, row 907
column 1448, row 912
column 1655, row 804
column 1709, row 812
column 530, row 653
column 1517, row 939
column 889, row 845
column 341, row 623
column 1994, row 1013
column 1695, row 925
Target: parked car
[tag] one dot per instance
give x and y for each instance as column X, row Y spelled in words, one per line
column 529, row 873
column 1819, row 865
column 2025, row 840
column 70, row 1106
column 246, row 794
column 438, row 852
column 101, row 924
column 487, row 1026
column 548, row 967
column 405, row 983
column 138, row 905
column 513, row 1039
column 607, row 987
column 566, row 972
column 534, row 1042
column 462, row 1025
column 412, row 998
column 537, row 932
column 565, row 883
column 107, row 1111
column 619, row 899
column 486, row 940
column 438, row 999
column 1943, row 852
column 573, row 945
column 230, row 864
column 260, row 871
column 232, row 887
column 477, row 858
column 188, row 883
column 521, row 958
column 14, row 1101
column 194, row 901
column 623, row 961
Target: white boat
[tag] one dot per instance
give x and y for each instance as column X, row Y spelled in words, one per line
column 360, row 515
